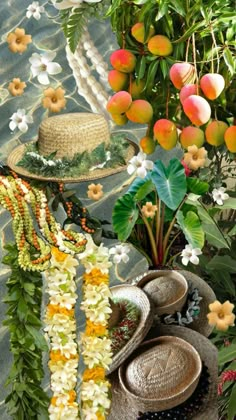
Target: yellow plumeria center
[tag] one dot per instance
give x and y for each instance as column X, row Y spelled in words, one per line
column 59, row 255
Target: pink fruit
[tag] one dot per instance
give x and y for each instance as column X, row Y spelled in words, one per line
column 165, row 132
column 123, row 60
column 197, row 109
column 119, row 103
column 138, row 32
column 182, row 74
column 140, row 111
column 118, row 80
column 212, row 84
column 160, row 45
column 186, row 91
column 230, row 138
column 215, row 133
column 190, row 136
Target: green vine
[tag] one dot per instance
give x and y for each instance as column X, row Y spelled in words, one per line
column 26, row 400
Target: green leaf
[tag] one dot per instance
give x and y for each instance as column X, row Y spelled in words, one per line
column 196, row 186
column 151, row 74
column 232, row 232
column 232, row 404
column 170, row 182
column 213, row 233
column 229, row 60
column 144, row 190
column 222, row 262
column 230, row 203
column 164, row 68
column 227, row 354
column 192, row 228
column 38, row 337
column 124, row 215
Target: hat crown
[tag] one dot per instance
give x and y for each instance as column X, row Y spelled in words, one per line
column 68, row 134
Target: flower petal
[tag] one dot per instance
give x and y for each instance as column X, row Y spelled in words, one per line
column 48, row 56
column 227, row 307
column 35, row 59
column 43, row 78
column 215, row 306
column 141, row 172
column 53, row 68
column 12, row 125
column 23, row 126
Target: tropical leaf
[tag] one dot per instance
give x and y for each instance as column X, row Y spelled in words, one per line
column 222, row 263
column 213, row 233
column 170, row 182
column 192, row 228
column 226, row 354
column 124, row 216
column 144, row 190
column 228, row 204
column 196, row 186
column 232, row 404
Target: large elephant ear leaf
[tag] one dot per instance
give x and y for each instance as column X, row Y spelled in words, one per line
column 124, row 216
column 192, row 229
column 170, row 182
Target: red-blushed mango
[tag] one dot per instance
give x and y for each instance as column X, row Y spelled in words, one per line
column 160, row 45
column 186, row 91
column 140, row 111
column 138, row 32
column 212, row 84
column 215, row 132
column 118, row 80
column 190, row 136
column 123, row 60
column 119, row 103
column 147, row 145
column 230, row 138
column 197, row 109
column 119, row 119
column 136, row 89
column 165, row 132
column 182, row 74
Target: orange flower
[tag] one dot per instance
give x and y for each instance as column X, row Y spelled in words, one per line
column 95, row 374
column 95, row 277
column 95, row 191
column 54, row 99
column 95, row 329
column 149, row 209
column 59, row 255
column 100, row 416
column 53, row 400
column 57, row 309
column 16, row 87
column 72, row 396
column 57, row 356
column 17, row 41
column 221, row 315
column 195, row 158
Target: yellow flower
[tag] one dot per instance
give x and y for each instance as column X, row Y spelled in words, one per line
column 95, row 191
column 18, row 40
column 58, row 255
column 195, row 158
column 221, row 315
column 16, row 87
column 57, row 309
column 54, row 99
column 72, row 396
column 95, row 329
column 149, row 209
column 100, row 416
column 95, row 277
column 95, row 374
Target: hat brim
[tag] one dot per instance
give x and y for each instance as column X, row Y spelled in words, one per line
column 200, row 323
column 122, row 408
column 17, row 154
column 140, row 299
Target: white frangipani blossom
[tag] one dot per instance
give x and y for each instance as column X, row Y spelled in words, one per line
column 43, row 65
column 120, row 253
column 66, row 4
column 139, row 165
column 20, row 120
column 219, row 195
column 35, row 10
column 190, row 254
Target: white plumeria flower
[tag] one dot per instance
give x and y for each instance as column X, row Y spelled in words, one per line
column 95, row 257
column 190, row 254
column 43, row 65
column 35, row 10
column 67, row 300
column 20, row 120
column 66, row 4
column 120, row 253
column 219, row 195
column 139, row 165
column 63, row 412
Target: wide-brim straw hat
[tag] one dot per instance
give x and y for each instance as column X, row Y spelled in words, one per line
column 140, row 299
column 68, row 134
column 124, row 407
column 200, row 323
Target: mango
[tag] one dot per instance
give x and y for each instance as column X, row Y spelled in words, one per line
column 190, row 136
column 123, row 60
column 230, row 138
column 197, row 109
column 186, row 91
column 212, row 84
column 165, row 132
column 138, row 32
column 215, row 133
column 119, row 103
column 147, row 145
column 160, row 45
column 140, row 111
column 136, row 89
column 182, row 74
column 119, row 119
column 118, row 80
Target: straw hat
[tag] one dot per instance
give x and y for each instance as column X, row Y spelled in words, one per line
column 140, row 299
column 200, row 323
column 123, row 405
column 68, row 134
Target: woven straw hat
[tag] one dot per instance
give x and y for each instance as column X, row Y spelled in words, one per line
column 125, row 407
column 140, row 299
column 200, row 323
column 68, row 134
